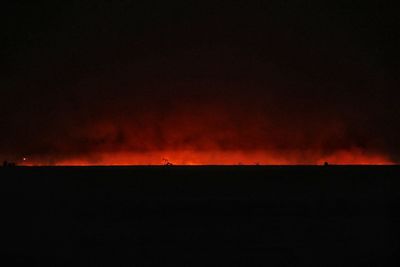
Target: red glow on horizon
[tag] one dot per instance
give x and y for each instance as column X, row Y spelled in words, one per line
column 206, row 136
column 188, row 157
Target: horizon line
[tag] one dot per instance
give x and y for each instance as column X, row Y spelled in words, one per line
column 206, row 165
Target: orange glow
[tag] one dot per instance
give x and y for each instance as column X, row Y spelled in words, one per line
column 187, row 157
column 207, row 136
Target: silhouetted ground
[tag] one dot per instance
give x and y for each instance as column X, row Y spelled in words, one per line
column 201, row 216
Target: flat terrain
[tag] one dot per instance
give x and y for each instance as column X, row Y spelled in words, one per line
column 201, row 216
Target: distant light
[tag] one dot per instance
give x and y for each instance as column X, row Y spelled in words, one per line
column 24, row 159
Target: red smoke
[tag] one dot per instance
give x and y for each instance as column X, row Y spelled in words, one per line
column 215, row 158
column 209, row 136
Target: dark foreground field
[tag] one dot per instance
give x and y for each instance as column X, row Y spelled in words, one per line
column 201, row 216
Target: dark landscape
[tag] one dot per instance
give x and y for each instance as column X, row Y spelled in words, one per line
column 225, row 115
column 201, row 215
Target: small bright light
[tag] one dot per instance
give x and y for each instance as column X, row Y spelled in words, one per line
column 24, row 159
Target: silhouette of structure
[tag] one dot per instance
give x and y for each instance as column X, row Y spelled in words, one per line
column 167, row 162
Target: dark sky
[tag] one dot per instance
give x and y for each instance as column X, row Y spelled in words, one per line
column 306, row 78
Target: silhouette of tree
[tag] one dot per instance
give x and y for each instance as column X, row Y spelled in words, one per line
column 8, row 164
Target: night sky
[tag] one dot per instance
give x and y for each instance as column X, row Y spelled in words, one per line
column 197, row 82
